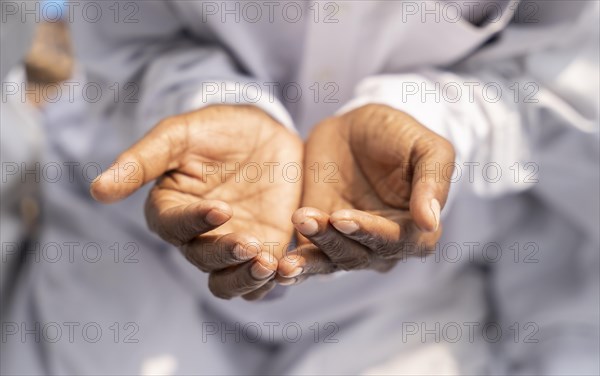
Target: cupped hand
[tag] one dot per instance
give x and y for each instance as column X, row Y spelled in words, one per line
column 221, row 195
column 383, row 203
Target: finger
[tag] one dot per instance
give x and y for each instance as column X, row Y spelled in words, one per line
column 384, row 265
column 159, row 151
column 178, row 221
column 428, row 243
column 386, row 238
column 261, row 292
column 211, row 253
column 306, row 259
column 346, row 253
column 433, row 163
column 242, row 279
column 293, row 281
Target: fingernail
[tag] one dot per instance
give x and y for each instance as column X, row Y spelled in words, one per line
column 216, row 217
column 347, row 227
column 296, row 272
column 288, row 282
column 242, row 253
column 435, row 210
column 308, row 227
column 93, row 193
column 259, row 272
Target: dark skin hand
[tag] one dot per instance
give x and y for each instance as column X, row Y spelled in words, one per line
column 227, row 220
column 384, row 202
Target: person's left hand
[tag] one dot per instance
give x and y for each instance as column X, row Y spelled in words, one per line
column 383, row 202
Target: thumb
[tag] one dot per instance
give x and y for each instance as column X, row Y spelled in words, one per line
column 159, row 151
column 433, row 164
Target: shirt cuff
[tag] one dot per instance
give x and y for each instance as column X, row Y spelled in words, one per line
column 405, row 93
column 235, row 93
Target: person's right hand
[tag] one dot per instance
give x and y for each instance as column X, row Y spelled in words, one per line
column 221, row 195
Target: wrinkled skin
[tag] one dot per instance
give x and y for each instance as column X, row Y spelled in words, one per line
column 382, row 205
column 369, row 196
column 233, row 225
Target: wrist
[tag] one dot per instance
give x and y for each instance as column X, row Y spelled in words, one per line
column 231, row 93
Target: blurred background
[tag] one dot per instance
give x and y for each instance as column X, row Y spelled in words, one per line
column 48, row 62
column 49, row 155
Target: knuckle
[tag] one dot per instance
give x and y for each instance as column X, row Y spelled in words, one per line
column 445, row 147
column 399, row 251
column 360, row 261
column 385, row 248
column 323, row 126
column 168, row 123
column 371, row 108
column 342, row 255
column 332, row 246
column 366, row 113
column 167, row 236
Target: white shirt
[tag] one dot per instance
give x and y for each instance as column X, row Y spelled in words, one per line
column 179, row 51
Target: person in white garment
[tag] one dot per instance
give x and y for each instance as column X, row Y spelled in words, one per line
column 487, row 110
column 21, row 139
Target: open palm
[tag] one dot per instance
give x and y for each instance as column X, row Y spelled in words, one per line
column 383, row 204
column 221, row 196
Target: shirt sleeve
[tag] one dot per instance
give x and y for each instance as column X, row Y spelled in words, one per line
column 495, row 114
column 171, row 70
